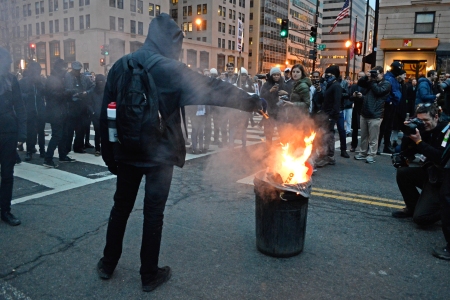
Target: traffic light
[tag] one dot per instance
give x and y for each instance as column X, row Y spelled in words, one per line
column 105, row 50
column 358, row 48
column 284, row 32
column 102, row 61
column 32, row 47
column 312, row 54
column 313, row 34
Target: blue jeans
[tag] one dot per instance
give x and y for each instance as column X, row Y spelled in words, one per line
column 157, row 185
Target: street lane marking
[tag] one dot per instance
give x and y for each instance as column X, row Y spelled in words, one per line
column 338, row 195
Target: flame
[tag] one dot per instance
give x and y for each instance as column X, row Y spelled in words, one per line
column 295, row 168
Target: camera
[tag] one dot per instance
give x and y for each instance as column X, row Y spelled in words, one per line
column 398, row 160
column 410, row 128
column 373, row 73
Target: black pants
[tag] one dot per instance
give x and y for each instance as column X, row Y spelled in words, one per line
column 157, row 185
column 58, row 139
column 386, row 125
column 445, row 205
column 35, row 133
column 87, row 130
column 97, row 140
column 75, row 124
column 355, row 127
column 425, row 205
column 8, row 144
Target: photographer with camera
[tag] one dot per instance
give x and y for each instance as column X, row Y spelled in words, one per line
column 424, row 135
column 378, row 90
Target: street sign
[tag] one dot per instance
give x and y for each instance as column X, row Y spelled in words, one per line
column 321, row 47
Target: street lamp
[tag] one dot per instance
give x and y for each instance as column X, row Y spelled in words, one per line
column 348, row 44
column 198, row 22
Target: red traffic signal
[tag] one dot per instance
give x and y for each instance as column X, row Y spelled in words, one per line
column 358, row 48
column 102, row 61
column 32, row 49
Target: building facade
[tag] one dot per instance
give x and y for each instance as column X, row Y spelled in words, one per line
column 75, row 30
column 415, row 33
column 211, row 32
column 336, row 51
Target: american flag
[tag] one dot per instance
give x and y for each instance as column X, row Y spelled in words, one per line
column 345, row 11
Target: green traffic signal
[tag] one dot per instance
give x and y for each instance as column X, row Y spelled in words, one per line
column 312, row 39
column 284, row 32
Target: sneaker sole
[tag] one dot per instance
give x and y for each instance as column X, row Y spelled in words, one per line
column 62, row 161
column 49, row 166
column 361, row 158
column 370, row 162
column 440, row 256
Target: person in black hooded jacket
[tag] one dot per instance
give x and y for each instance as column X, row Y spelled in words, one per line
column 32, row 87
column 13, row 129
column 156, row 162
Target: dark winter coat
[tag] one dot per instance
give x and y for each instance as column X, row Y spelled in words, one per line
column 377, row 93
column 13, row 115
column 396, row 92
column 33, row 95
column 424, row 92
column 56, row 97
column 80, row 105
column 411, row 98
column 330, row 98
column 300, row 95
column 176, row 86
column 272, row 97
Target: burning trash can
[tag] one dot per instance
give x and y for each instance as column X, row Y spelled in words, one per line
column 281, row 205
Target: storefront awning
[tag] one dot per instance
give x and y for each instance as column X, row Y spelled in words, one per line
column 443, row 49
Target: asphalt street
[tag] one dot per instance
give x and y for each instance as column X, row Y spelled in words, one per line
column 353, row 249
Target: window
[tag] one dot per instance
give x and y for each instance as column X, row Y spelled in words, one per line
column 66, row 24
column 230, row 15
column 50, row 27
column 112, row 3
column 151, row 9
column 50, row 6
column 204, row 39
column 140, row 6
column 140, row 28
column 71, row 3
column 29, row 9
column 72, row 23
column 251, row 3
column 157, row 10
column 81, row 3
column 219, row 12
column 233, row 45
column 88, row 21
column 223, row 43
column 81, row 22
column 234, row 15
column 36, row 5
column 25, row 33
column 87, row 2
column 120, row 4
column 229, row 29
column 190, row 26
column 56, row 5
column 204, row 25
column 112, row 23
column 424, row 23
column 41, row 4
column 185, row 27
column 121, row 21
column 220, row 27
column 174, row 13
column 65, row 4
column 133, row 5
column 205, row 9
column 69, row 50
column 219, row 43
column 229, row 45
column 38, row 29
column 251, row 16
column 133, row 27
column 190, row 10
column 25, row 10
column 174, row 2
column 56, row 26
column 199, row 9
column 184, row 11
column 30, row 30
column 42, row 27
column 243, row 18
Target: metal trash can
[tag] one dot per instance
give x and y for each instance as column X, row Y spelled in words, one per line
column 280, row 219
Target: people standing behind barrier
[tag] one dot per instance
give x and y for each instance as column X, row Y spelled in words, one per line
column 13, row 131
column 378, row 90
column 424, row 92
column 80, row 87
column 270, row 91
column 57, row 115
column 356, row 94
column 97, row 98
column 424, row 136
column 32, row 88
column 389, row 107
column 330, row 99
column 239, row 119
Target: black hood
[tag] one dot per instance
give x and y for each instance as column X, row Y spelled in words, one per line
column 164, row 37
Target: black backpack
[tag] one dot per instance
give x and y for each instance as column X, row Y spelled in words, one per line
column 138, row 119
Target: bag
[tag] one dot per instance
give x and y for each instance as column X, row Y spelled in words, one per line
column 138, row 118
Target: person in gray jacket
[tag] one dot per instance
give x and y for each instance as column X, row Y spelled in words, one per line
column 378, row 89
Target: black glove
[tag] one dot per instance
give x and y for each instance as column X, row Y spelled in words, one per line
column 112, row 167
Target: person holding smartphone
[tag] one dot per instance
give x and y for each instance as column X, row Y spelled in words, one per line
column 356, row 96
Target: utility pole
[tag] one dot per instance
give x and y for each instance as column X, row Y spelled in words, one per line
column 354, row 45
column 366, row 30
column 315, row 40
column 347, row 67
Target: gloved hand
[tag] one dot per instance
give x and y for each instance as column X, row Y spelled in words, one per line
column 112, row 167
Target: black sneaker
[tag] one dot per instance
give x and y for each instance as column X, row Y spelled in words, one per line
column 18, row 160
column 163, row 275
column 10, row 219
column 28, row 156
column 441, row 253
column 42, row 153
column 66, row 159
column 402, row 213
column 103, row 273
column 49, row 164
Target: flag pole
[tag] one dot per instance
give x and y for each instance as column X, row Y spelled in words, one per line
column 347, row 67
column 354, row 56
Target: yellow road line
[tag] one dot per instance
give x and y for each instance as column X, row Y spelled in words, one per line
column 353, row 199
column 357, row 195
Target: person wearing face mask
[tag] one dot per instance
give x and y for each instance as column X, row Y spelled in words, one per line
column 378, row 90
column 57, row 114
column 331, row 106
column 13, row 131
column 270, row 91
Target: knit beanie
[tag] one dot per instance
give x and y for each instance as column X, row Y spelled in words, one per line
column 213, row 71
column 396, row 68
column 275, row 70
column 333, row 69
column 244, row 71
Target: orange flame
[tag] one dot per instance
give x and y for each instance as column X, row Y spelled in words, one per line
column 294, row 168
